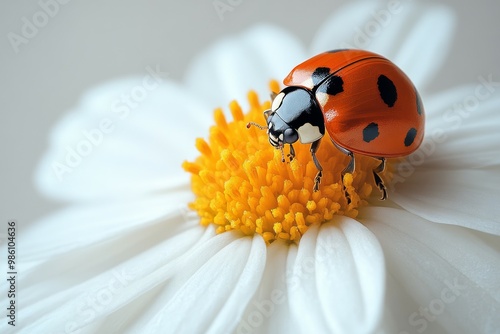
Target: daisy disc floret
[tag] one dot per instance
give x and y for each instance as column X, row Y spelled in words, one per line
column 241, row 183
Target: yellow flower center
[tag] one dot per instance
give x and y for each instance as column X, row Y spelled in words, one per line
column 241, row 183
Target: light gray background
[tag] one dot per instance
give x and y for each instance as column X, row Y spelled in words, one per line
column 88, row 42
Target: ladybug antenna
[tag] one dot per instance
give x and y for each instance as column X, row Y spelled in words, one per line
column 256, row 125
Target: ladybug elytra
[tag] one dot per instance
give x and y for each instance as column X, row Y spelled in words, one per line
column 364, row 101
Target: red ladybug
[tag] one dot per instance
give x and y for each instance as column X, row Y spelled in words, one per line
column 364, row 101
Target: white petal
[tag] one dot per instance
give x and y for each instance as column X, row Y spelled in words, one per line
column 305, row 309
column 87, row 226
column 453, row 177
column 215, row 297
column 235, row 65
column 142, row 151
column 398, row 305
column 78, row 288
column 337, row 279
column 415, row 36
column 228, row 316
column 462, row 129
column 144, row 301
column 466, row 198
column 350, row 247
column 448, row 272
column 268, row 311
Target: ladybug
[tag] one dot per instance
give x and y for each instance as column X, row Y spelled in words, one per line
column 364, row 101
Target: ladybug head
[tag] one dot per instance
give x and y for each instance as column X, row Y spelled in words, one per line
column 278, row 130
column 294, row 115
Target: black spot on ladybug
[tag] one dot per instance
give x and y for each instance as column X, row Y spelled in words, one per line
column 332, row 86
column 410, row 136
column 419, row 104
column 387, row 90
column 370, row 132
column 320, row 74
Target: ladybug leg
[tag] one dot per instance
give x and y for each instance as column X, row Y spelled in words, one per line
column 273, row 95
column 350, row 166
column 291, row 155
column 378, row 180
column 282, row 153
column 348, row 169
column 317, row 179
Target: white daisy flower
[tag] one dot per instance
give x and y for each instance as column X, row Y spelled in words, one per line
column 127, row 256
